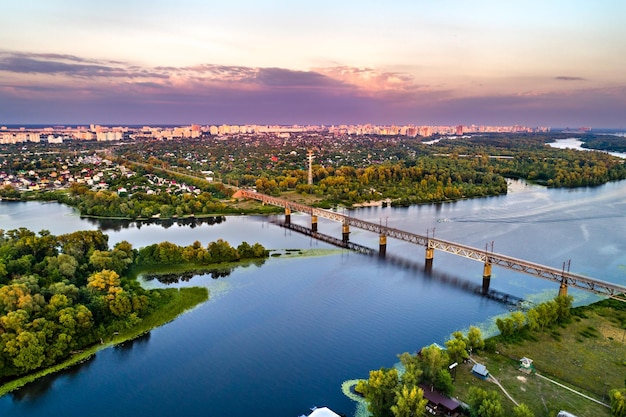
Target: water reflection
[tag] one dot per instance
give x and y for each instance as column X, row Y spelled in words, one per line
column 41, row 386
column 117, row 225
column 186, row 276
column 136, row 344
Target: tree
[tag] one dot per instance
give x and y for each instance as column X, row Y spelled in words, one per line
column 433, row 359
column 119, row 302
column 506, row 326
column 563, row 307
column 443, row 383
column 26, row 351
column 475, row 338
column 519, row 320
column 409, row 402
column 618, row 402
column 412, row 371
column 484, row 403
column 457, row 350
column 103, row 280
column 379, row 391
column 522, row 410
column 17, row 296
column 546, row 314
column 490, row 408
column 81, row 244
column 532, row 317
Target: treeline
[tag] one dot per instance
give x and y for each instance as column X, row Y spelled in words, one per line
column 529, row 158
column 427, row 179
column 604, row 143
column 59, row 294
column 137, row 205
column 448, row 170
column 166, row 253
column 540, row 317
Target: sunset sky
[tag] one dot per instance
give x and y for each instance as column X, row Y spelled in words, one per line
column 549, row 62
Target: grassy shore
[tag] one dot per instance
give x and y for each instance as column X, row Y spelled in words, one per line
column 587, row 355
column 180, row 300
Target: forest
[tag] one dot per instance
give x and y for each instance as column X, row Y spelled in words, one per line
column 60, row 294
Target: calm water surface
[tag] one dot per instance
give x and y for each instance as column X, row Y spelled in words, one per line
column 277, row 339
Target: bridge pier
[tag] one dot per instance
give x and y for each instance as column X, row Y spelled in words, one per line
column 313, row 223
column 430, row 255
column 287, row 216
column 563, row 288
column 486, row 277
column 382, row 245
column 345, row 233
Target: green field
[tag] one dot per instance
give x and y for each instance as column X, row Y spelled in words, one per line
column 587, row 355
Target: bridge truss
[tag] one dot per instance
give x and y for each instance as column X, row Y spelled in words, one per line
column 570, row 279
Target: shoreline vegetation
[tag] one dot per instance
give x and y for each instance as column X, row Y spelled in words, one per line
column 578, row 360
column 183, row 300
column 63, row 298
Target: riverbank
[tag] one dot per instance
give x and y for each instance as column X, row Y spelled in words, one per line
column 574, row 365
column 181, row 300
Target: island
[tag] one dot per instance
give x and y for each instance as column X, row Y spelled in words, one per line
column 64, row 297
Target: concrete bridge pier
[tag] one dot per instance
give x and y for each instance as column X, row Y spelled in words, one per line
column 486, row 276
column 430, row 254
column 382, row 245
column 563, row 288
column 345, row 233
column 287, row 216
column 313, row 223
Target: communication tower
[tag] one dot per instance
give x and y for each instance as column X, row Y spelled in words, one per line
column 310, row 158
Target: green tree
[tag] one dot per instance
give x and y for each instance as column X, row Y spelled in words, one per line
column 412, row 371
column 26, row 351
column 457, row 349
column 618, row 402
column 563, row 307
column 490, row 408
column 475, row 338
column 532, row 317
column 484, row 403
column 519, row 320
column 444, row 383
column 379, row 391
column 432, row 360
column 522, row 410
column 409, row 402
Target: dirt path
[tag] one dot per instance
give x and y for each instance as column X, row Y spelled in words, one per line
column 574, row 391
column 495, row 381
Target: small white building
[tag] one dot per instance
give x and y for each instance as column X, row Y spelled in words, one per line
column 526, row 362
column 323, row 412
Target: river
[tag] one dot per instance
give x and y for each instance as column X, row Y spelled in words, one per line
column 276, row 339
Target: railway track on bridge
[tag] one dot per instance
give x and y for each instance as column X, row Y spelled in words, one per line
column 563, row 278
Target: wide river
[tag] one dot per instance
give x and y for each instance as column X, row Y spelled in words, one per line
column 277, row 339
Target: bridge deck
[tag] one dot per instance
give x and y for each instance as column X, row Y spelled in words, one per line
column 582, row 282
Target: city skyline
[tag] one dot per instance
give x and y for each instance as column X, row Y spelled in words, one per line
column 557, row 63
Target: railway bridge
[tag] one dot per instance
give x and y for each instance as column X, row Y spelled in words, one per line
column 564, row 278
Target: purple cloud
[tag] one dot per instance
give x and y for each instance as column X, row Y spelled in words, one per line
column 69, row 65
column 568, row 78
column 100, row 91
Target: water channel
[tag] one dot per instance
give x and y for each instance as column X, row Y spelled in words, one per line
column 276, row 339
